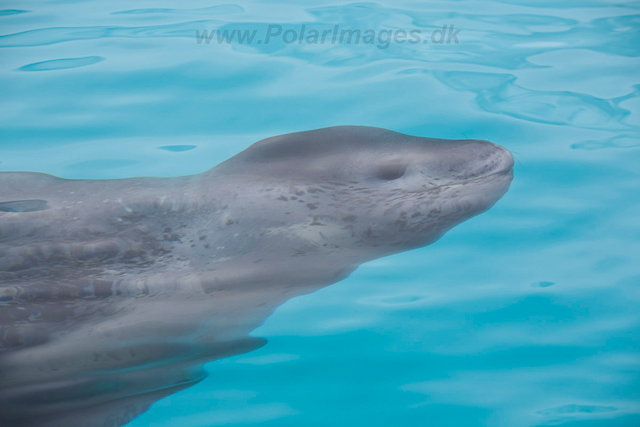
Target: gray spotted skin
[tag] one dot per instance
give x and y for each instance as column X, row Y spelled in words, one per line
column 106, row 281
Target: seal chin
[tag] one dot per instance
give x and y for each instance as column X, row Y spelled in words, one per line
column 481, row 193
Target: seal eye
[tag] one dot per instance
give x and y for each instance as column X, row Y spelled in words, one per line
column 24, row 206
column 391, row 171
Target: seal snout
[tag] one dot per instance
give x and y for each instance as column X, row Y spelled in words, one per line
column 503, row 159
column 485, row 158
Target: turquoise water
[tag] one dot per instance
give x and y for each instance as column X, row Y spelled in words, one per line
column 526, row 315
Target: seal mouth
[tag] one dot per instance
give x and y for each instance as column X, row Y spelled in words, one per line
column 507, row 173
column 498, row 163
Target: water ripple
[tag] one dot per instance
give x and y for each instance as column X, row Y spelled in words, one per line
column 7, row 12
column 222, row 9
column 499, row 94
column 62, row 64
column 47, row 36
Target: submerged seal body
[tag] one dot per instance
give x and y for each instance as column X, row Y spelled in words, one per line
column 136, row 282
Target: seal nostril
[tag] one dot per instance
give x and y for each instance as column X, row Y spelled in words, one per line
column 391, row 171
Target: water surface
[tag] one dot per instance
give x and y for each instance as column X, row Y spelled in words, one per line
column 524, row 316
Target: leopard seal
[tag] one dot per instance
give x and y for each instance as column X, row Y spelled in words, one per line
column 114, row 293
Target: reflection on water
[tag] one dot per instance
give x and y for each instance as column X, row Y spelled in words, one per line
column 115, row 292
